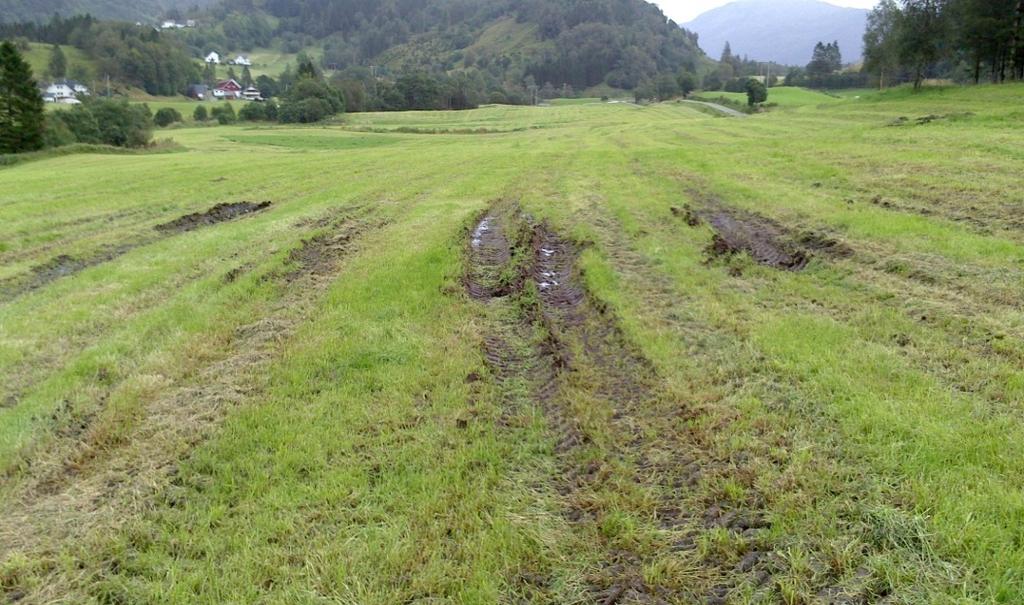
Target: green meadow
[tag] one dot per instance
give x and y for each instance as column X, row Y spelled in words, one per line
column 308, row 404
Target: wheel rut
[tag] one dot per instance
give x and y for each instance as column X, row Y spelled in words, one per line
column 91, row 480
column 554, row 346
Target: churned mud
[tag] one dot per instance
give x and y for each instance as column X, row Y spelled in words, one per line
column 218, row 214
column 767, row 242
column 556, row 346
column 59, row 267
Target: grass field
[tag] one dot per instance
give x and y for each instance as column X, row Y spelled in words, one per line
column 587, row 353
column 38, row 57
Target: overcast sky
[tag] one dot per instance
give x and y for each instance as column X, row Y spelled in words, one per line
column 685, row 10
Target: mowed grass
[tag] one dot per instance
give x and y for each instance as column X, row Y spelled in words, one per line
column 874, row 397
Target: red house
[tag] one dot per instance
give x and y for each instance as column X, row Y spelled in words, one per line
column 227, row 89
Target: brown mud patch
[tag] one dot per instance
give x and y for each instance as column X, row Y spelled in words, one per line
column 218, row 214
column 59, row 267
column 766, row 241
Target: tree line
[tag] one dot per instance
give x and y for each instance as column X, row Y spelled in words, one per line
column 978, row 40
column 157, row 62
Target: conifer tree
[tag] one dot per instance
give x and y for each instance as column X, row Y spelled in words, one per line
column 21, row 105
column 58, row 66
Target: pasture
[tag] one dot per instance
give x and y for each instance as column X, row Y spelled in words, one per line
column 584, row 353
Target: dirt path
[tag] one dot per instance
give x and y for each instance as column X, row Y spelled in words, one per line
column 719, row 108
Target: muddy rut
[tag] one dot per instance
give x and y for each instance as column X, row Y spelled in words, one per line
column 64, row 265
column 553, row 346
column 766, row 241
column 86, row 484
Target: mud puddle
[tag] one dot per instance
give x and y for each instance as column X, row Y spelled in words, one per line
column 218, row 214
column 489, row 253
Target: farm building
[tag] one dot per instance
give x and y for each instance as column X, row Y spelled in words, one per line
column 213, row 57
column 252, row 94
column 63, row 90
column 241, row 60
column 227, row 89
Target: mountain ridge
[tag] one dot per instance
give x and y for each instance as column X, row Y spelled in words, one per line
column 14, row 11
column 782, row 31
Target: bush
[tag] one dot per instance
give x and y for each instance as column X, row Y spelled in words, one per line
column 166, row 116
column 200, row 115
column 258, row 112
column 225, row 114
column 310, row 101
column 305, row 111
column 105, row 121
column 756, row 92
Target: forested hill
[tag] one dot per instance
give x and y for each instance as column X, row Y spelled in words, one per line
column 12, row 11
column 580, row 43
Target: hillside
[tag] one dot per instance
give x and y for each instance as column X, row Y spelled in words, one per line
column 145, row 10
column 784, row 31
column 615, row 42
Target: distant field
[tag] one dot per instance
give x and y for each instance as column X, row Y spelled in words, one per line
column 265, row 61
column 783, row 96
column 585, row 353
column 39, row 59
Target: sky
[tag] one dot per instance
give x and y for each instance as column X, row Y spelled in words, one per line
column 682, row 11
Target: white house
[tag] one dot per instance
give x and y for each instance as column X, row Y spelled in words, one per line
column 213, row 57
column 251, row 94
column 172, row 25
column 64, row 89
column 241, row 60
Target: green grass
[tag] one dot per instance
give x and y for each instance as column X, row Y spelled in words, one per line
column 38, row 57
column 186, row 423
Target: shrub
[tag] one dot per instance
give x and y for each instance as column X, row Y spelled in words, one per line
column 225, row 114
column 311, row 100
column 166, row 116
column 258, row 112
column 756, row 92
column 200, row 115
column 108, row 122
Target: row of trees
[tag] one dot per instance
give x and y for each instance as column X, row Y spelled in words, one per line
column 916, row 39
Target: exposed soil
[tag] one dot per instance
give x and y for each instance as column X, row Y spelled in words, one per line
column 586, row 355
column 766, row 241
column 489, row 253
column 218, row 214
column 59, row 267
